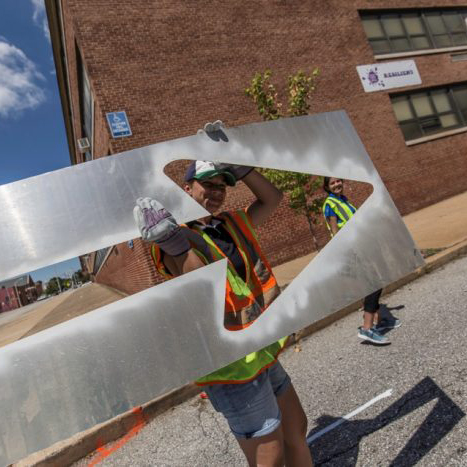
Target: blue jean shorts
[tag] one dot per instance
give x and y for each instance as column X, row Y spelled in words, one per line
column 251, row 408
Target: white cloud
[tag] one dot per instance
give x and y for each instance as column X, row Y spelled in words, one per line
column 40, row 17
column 19, row 81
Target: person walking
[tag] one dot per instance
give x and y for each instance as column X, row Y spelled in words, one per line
column 255, row 394
column 337, row 211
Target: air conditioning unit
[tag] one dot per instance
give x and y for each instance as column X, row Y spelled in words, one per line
column 84, row 145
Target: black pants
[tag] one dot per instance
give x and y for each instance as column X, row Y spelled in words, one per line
column 371, row 302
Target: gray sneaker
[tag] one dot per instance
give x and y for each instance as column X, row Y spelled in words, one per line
column 387, row 323
column 373, row 336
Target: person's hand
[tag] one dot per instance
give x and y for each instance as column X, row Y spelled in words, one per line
column 238, row 171
column 212, row 127
column 156, row 224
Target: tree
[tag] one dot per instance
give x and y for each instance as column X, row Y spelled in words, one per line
column 81, row 276
column 264, row 95
column 303, row 190
column 53, row 285
column 300, row 87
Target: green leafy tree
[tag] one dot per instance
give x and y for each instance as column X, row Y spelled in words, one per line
column 300, row 87
column 264, row 96
column 303, row 190
column 81, row 276
column 52, row 286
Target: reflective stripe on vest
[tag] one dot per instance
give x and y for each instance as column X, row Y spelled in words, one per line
column 253, row 297
column 245, row 300
column 342, row 210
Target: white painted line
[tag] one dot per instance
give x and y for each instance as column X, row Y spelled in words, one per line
column 330, row 427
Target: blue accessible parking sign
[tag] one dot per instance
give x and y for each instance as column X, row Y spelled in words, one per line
column 118, row 123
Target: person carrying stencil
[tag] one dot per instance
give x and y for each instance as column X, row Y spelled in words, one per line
column 255, row 394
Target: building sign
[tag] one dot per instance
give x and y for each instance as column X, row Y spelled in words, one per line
column 118, row 123
column 382, row 76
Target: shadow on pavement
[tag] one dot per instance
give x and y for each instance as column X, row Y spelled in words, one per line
column 340, row 447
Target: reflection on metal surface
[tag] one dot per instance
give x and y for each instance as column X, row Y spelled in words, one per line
column 92, row 368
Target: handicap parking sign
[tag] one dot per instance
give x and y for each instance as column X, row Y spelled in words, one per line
column 118, row 123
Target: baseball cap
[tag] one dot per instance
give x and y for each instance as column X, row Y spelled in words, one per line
column 202, row 170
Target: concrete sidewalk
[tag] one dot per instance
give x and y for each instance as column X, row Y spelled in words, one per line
column 439, row 226
column 440, row 231
column 63, row 307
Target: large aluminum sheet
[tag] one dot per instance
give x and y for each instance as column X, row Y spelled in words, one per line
column 92, row 368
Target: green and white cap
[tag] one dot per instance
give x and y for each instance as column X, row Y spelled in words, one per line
column 202, row 170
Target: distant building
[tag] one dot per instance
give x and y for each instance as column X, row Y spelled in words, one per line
column 17, row 292
column 174, row 65
column 39, row 288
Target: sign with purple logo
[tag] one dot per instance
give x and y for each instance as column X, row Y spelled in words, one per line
column 388, row 75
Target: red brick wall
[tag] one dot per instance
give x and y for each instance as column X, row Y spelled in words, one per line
column 8, row 299
column 174, row 65
column 129, row 269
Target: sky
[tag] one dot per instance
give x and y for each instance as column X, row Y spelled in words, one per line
column 32, row 131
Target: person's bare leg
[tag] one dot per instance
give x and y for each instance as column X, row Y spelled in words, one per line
column 377, row 317
column 267, row 451
column 294, row 428
column 368, row 319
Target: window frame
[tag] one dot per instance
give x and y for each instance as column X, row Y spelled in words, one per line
column 84, row 82
column 429, row 34
column 425, row 133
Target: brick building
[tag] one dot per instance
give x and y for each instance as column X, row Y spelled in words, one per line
column 17, row 292
column 174, row 65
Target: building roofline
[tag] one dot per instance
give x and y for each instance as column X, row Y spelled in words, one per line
column 53, row 9
column 19, row 281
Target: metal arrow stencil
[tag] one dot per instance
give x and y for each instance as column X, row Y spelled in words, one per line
column 68, row 378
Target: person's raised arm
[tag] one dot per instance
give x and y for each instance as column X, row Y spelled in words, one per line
column 267, row 195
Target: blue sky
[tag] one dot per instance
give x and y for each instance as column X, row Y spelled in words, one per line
column 32, row 132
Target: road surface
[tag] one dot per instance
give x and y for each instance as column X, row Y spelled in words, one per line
column 407, row 401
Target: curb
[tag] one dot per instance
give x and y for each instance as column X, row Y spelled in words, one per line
column 84, row 443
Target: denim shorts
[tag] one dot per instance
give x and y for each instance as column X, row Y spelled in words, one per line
column 251, row 408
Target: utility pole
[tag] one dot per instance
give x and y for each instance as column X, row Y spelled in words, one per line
column 18, row 296
column 72, row 277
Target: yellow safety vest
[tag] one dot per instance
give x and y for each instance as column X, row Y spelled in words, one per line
column 245, row 301
column 341, row 208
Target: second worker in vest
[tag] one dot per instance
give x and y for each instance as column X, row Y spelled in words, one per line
column 255, row 393
column 337, row 211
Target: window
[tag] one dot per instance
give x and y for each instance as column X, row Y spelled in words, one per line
column 86, row 106
column 396, row 32
column 101, row 256
column 424, row 113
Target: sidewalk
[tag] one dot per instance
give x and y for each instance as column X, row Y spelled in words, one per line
column 440, row 231
column 65, row 306
column 439, row 226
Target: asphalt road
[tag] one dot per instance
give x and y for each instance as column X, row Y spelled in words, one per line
column 422, row 422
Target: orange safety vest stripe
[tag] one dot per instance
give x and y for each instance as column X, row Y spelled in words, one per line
column 240, row 311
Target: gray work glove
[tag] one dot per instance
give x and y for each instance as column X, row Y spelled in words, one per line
column 156, row 224
column 238, row 171
column 212, row 127
column 214, row 131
